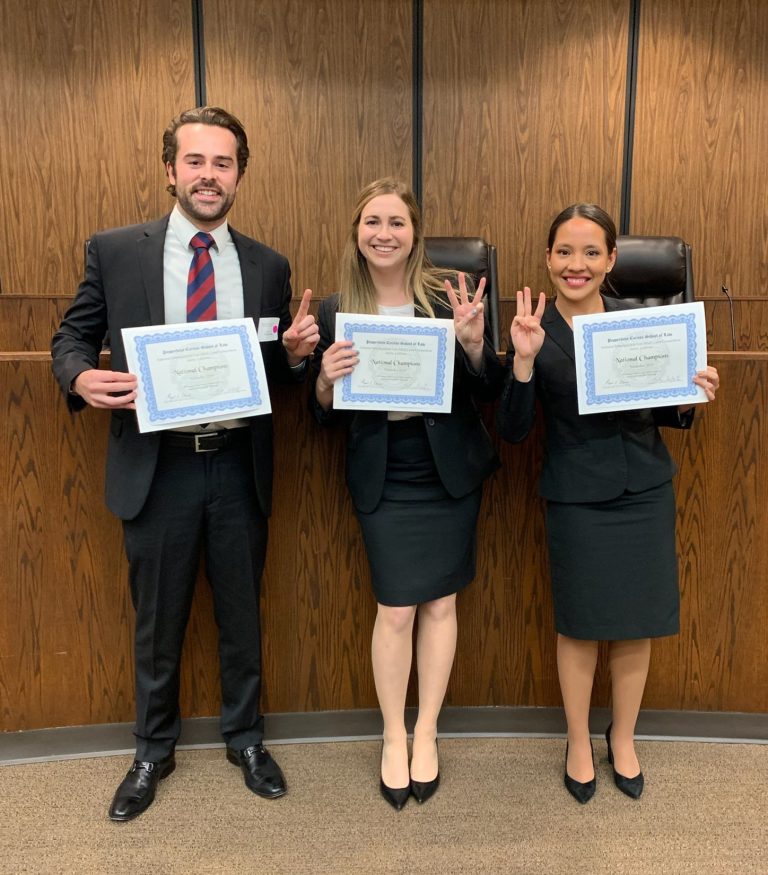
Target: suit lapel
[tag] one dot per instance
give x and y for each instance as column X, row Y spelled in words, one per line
column 558, row 330
column 250, row 269
column 150, row 250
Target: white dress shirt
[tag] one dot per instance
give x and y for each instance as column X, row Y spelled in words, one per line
column 177, row 257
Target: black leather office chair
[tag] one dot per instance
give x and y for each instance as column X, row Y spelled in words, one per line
column 651, row 271
column 474, row 256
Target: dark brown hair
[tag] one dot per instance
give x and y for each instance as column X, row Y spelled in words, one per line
column 592, row 212
column 205, row 115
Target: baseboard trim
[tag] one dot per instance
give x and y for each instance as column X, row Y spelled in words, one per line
column 73, row 742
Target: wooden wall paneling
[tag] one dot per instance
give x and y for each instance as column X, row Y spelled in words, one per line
column 720, row 660
column 324, row 92
column 700, row 133
column 318, row 604
column 66, row 627
column 523, row 115
column 27, row 322
column 86, row 89
column 750, row 323
column 66, row 623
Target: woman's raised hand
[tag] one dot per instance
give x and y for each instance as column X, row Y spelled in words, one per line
column 468, row 318
column 526, row 332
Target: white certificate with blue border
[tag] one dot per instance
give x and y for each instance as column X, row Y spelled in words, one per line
column 196, row 372
column 405, row 364
column 644, row 357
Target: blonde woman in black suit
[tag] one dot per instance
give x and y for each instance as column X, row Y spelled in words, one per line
column 607, row 479
column 415, row 481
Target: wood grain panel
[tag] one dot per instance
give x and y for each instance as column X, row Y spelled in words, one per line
column 700, row 134
column 27, row 322
column 86, row 89
column 66, row 626
column 523, row 115
column 722, row 655
column 324, row 92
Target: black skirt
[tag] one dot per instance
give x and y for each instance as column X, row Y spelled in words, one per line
column 420, row 541
column 614, row 566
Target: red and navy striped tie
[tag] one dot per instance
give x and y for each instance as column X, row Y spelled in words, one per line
column 201, row 290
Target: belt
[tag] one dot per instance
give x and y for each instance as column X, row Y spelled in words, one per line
column 204, row 442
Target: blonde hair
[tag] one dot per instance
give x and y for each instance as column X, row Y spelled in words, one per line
column 422, row 279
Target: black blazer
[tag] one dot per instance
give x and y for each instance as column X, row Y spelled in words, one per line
column 123, row 287
column 592, row 457
column 462, row 449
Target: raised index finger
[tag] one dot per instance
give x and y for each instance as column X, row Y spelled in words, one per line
column 304, row 305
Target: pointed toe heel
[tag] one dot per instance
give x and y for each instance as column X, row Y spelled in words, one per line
column 632, row 787
column 396, row 796
column 423, row 790
column 582, row 792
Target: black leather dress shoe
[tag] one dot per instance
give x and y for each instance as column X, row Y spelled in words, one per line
column 262, row 774
column 137, row 789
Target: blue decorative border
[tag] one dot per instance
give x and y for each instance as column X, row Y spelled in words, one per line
column 435, row 400
column 142, row 343
column 643, row 395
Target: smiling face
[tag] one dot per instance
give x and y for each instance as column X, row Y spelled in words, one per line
column 578, row 262
column 385, row 234
column 205, row 173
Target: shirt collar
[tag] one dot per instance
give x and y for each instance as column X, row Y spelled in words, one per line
column 185, row 230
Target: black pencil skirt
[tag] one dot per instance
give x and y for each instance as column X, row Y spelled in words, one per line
column 614, row 566
column 421, row 542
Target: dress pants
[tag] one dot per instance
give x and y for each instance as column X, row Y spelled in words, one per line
column 197, row 501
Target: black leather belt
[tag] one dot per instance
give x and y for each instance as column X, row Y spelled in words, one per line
column 204, row 442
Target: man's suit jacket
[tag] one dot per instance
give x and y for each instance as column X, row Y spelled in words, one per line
column 593, row 457
column 462, row 449
column 123, row 287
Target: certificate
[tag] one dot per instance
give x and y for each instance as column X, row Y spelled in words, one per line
column 405, row 364
column 640, row 358
column 196, row 372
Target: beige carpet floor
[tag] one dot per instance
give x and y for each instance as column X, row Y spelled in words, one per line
column 501, row 808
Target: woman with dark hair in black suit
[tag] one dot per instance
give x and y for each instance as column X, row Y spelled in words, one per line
column 415, row 481
column 607, row 479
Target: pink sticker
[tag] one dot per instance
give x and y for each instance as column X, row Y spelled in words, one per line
column 274, row 329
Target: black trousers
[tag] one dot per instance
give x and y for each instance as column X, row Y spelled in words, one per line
column 197, row 501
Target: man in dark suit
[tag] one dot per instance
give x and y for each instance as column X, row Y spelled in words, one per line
column 178, row 489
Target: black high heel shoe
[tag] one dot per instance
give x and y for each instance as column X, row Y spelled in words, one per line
column 581, row 792
column 423, row 790
column 396, row 796
column 632, row 787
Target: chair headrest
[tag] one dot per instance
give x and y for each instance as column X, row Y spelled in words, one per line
column 468, row 254
column 649, row 267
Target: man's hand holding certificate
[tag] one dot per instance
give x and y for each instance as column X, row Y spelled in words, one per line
column 640, row 358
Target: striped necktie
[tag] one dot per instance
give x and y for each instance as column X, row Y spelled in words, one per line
column 201, row 290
